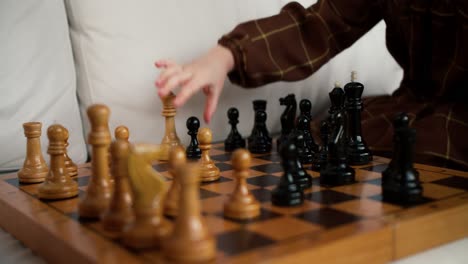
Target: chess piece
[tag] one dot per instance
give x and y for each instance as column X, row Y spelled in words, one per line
column 260, row 105
column 70, row 166
column 190, row 240
column 34, row 167
column 300, row 175
column 193, row 151
column 209, row 172
column 259, row 142
column 234, row 139
column 170, row 138
column 400, row 181
column 320, row 157
column 303, row 124
column 336, row 170
column 288, row 192
column 121, row 132
column 177, row 158
column 58, row 184
column 306, row 153
column 242, row 205
column 287, row 118
column 357, row 151
column 120, row 213
column 98, row 194
column 150, row 228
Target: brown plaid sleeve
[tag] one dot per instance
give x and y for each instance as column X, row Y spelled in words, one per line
column 295, row 43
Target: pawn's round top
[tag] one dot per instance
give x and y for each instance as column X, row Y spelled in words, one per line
column 193, row 124
column 67, row 135
column 205, row 136
column 259, row 105
column 241, row 159
column 120, row 149
column 98, row 115
column 32, row 129
column 56, row 133
column 177, row 157
column 121, row 132
column 288, row 151
column 401, row 120
column 233, row 113
column 260, row 116
column 305, row 105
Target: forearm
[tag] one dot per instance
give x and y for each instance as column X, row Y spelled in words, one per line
column 295, row 43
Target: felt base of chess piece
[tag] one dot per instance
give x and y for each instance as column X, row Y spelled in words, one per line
column 358, row 153
column 335, row 175
column 54, row 191
column 148, row 231
column 402, row 188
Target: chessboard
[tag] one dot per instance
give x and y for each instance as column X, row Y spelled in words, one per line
column 345, row 224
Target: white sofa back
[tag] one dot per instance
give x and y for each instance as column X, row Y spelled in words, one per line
column 117, row 42
column 37, row 77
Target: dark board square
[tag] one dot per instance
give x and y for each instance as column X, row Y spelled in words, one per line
column 329, row 197
column 83, row 181
column 204, row 194
column 161, row 167
column 221, row 179
column 264, row 215
column 222, row 157
column 376, row 168
column 264, row 180
column 240, row 241
column 327, row 217
column 223, row 166
column 13, row 181
column 454, row 182
column 262, row 195
column 268, row 168
column 274, row 157
column 377, row 181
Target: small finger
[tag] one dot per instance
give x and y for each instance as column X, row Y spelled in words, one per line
column 211, row 104
column 177, row 80
column 186, row 92
column 166, row 75
column 164, row 63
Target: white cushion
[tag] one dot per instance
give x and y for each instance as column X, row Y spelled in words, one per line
column 37, row 77
column 117, row 42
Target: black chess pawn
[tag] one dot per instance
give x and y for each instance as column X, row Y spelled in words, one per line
column 320, row 157
column 288, row 192
column 400, row 181
column 259, row 141
column 193, row 151
column 357, row 151
column 337, row 171
column 261, row 105
column 234, row 139
column 303, row 124
column 306, row 155
column 288, row 117
column 303, row 152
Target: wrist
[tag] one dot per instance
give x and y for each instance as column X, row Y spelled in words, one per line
column 226, row 56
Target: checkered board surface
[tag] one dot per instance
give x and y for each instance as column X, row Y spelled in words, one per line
column 328, row 215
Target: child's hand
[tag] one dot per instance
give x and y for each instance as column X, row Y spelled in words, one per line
column 207, row 73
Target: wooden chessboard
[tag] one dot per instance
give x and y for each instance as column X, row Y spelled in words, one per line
column 342, row 224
